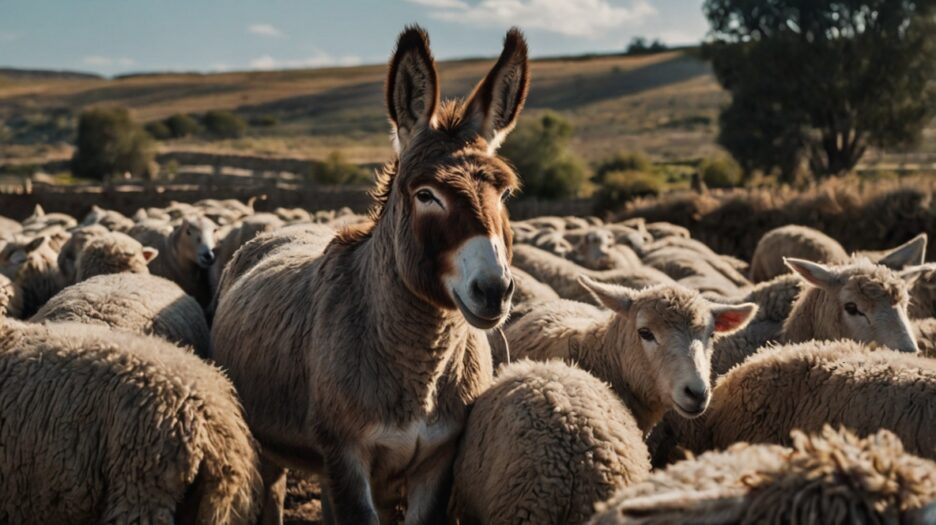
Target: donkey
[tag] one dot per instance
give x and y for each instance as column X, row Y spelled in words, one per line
column 359, row 362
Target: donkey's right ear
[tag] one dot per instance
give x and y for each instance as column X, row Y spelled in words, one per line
column 412, row 86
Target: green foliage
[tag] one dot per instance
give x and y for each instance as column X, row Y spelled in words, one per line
column 721, row 172
column 224, row 125
column 182, row 125
column 111, row 143
column 623, row 161
column 619, row 187
column 158, row 130
column 539, row 149
column 639, row 46
column 822, row 80
column 263, row 121
column 336, row 170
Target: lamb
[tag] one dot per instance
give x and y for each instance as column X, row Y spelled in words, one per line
column 718, row 263
column 596, row 249
column 68, row 255
column 113, row 252
column 662, row 230
column 40, row 220
column 804, row 386
column 135, row 431
column 11, row 298
column 691, row 270
column 552, row 242
column 186, row 253
column 138, row 303
column 110, row 219
column 9, row 228
column 653, row 347
column 793, row 241
column 32, row 265
column 562, row 275
column 827, row 478
column 544, row 444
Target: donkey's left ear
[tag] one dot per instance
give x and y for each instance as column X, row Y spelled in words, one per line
column 494, row 105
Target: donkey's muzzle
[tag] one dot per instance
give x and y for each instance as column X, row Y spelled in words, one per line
column 491, row 296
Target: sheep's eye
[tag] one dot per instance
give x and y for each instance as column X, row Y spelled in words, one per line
column 852, row 309
column 646, row 335
column 426, row 197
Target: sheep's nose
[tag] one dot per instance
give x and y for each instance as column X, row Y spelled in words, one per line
column 493, row 294
column 697, row 396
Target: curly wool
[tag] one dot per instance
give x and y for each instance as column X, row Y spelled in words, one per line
column 11, row 298
column 134, row 431
column 139, row 303
column 795, row 241
column 829, row 478
column 110, row 253
column 543, row 445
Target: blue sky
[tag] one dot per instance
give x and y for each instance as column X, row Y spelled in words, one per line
column 120, row 36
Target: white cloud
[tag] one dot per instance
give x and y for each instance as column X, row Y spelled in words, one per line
column 265, row 30
column 318, row 59
column 104, row 61
column 583, row 18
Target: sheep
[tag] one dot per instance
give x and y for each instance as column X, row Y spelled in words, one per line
column 110, row 219
column 40, row 220
column 923, row 294
column 544, row 444
column 134, row 431
column 139, row 303
column 552, row 242
column 547, row 223
column 662, row 230
column 32, row 265
column 292, row 215
column 186, row 253
column 9, row 227
column 653, row 347
column 596, row 249
column 806, row 385
column 680, row 244
column 925, row 332
column 11, row 298
column 237, row 235
column 689, row 269
column 793, row 241
column 830, row 477
column 562, row 275
column 113, row 252
column 860, row 301
column 68, row 255
column 528, row 295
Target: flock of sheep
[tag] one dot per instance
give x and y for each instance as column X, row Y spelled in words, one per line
column 433, row 361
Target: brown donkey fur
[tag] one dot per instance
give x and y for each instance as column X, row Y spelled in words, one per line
column 359, row 362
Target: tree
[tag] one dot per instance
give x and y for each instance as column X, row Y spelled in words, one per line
column 182, row 125
column 822, row 79
column 111, row 143
column 539, row 149
column 224, row 125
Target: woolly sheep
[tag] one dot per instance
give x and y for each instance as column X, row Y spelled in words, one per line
column 552, row 242
column 827, row 478
column 9, row 227
column 186, row 253
column 32, row 265
column 689, row 269
column 807, row 385
column 596, row 249
column 661, row 230
column 41, row 220
column 68, row 255
column 544, row 444
column 11, row 298
column 562, row 275
column 113, row 252
column 923, row 294
column 135, row 431
column 717, row 262
column 925, row 331
column 139, row 303
column 793, row 241
column 110, row 219
column 653, row 347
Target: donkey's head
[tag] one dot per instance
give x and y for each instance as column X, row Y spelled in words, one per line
column 445, row 194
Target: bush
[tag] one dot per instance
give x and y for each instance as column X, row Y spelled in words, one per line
column 721, row 172
column 182, row 125
column 264, row 121
column 539, row 149
column 623, row 161
column 110, row 143
column 619, row 187
column 158, row 130
column 336, row 170
column 224, row 125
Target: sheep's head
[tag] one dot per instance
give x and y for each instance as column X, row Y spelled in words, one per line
column 674, row 326
column 196, row 240
column 27, row 256
column 113, row 252
column 594, row 249
column 861, row 301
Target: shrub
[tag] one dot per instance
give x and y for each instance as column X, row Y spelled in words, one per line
column 623, row 161
column 336, row 170
column 158, row 130
column 619, row 187
column 182, row 125
column 721, row 172
column 110, row 143
column 539, row 149
column 264, row 121
column 224, row 125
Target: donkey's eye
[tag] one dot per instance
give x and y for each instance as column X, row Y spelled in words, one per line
column 505, row 195
column 852, row 309
column 426, row 197
column 646, row 335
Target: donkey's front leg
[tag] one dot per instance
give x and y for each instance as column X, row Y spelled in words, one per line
column 429, row 486
column 348, row 487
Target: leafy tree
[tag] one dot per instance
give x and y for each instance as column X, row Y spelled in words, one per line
column 539, row 149
column 623, row 161
column 336, row 170
column 224, row 125
column 822, row 79
column 158, row 130
column 182, row 125
column 720, row 172
column 111, row 143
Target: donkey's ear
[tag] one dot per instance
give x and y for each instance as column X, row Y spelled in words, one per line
column 910, row 253
column 412, row 86
column 494, row 105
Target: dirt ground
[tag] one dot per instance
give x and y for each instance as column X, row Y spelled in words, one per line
column 303, row 501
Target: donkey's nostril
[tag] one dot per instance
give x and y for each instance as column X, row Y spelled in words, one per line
column 476, row 292
column 695, row 395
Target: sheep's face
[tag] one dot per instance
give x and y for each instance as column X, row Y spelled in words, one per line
column 30, row 256
column 674, row 327
column 862, row 301
column 595, row 249
column 197, row 241
column 555, row 243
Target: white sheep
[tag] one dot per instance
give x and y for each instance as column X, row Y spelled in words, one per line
column 186, row 252
column 793, row 241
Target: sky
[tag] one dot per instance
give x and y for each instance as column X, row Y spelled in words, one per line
column 113, row 37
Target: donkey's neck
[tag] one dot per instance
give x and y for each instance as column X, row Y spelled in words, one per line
column 619, row 359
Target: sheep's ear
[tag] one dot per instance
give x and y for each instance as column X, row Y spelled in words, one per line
column 495, row 104
column 912, row 274
column 732, row 317
column 616, row 298
column 814, row 273
column 412, row 87
column 35, row 244
column 910, row 253
column 139, row 215
column 149, row 253
column 38, row 212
